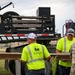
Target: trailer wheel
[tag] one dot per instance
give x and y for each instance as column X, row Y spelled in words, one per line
column 12, row 67
column 8, row 49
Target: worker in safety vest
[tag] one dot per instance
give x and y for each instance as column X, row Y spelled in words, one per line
column 63, row 46
column 34, row 55
column 72, row 71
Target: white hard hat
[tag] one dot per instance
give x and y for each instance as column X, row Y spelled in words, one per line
column 32, row 36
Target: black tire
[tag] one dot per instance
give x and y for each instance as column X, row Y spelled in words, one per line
column 10, row 13
column 8, row 49
column 12, row 67
column 7, row 21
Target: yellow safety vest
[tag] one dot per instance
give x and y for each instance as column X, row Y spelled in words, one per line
column 60, row 47
column 35, row 59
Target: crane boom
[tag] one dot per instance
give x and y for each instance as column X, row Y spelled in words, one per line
column 5, row 6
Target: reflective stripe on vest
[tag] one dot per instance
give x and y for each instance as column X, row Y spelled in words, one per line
column 33, row 60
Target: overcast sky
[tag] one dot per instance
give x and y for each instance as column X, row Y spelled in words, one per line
column 62, row 9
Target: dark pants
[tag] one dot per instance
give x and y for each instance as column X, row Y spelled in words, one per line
column 36, row 72
column 64, row 70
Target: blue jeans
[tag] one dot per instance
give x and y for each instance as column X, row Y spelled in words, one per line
column 64, row 70
column 36, row 72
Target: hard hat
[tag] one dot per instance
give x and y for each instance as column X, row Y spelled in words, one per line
column 70, row 31
column 32, row 36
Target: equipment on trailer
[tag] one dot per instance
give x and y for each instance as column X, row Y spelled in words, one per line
column 68, row 24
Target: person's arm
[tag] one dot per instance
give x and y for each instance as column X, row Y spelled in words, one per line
column 59, row 46
column 21, row 60
column 23, row 55
column 57, row 51
column 48, row 58
column 47, row 55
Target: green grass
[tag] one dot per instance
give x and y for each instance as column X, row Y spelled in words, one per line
column 54, row 65
column 3, row 71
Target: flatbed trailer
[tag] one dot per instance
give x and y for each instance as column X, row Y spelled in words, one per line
column 15, row 28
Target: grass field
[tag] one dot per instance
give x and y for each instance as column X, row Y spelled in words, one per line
column 3, row 71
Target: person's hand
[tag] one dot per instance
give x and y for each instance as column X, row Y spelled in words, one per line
column 19, row 59
column 66, row 60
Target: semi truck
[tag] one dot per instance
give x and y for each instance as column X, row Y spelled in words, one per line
column 15, row 28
